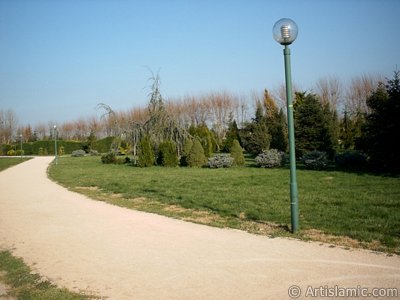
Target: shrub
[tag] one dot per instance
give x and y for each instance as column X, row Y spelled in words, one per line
column 315, row 160
column 351, row 159
column 78, row 153
column 93, row 152
column 40, row 151
column 269, row 158
column 11, row 152
column 220, row 161
column 109, row 158
column 145, row 153
column 167, row 154
column 19, row 152
column 61, row 151
column 236, row 152
column 187, row 146
column 196, row 157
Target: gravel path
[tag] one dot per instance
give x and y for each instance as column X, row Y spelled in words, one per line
column 118, row 253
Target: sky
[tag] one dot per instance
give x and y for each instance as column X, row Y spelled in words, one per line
column 59, row 59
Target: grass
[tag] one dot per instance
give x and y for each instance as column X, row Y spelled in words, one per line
column 358, row 210
column 24, row 284
column 6, row 162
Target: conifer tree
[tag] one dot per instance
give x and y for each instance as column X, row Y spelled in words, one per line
column 196, row 157
column 145, row 153
column 236, row 152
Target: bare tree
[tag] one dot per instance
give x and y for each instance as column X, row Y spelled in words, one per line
column 329, row 90
column 8, row 125
column 359, row 90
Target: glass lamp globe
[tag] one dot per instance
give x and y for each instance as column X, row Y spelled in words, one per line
column 285, row 31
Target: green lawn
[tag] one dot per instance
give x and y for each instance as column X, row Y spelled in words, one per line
column 360, row 207
column 6, row 162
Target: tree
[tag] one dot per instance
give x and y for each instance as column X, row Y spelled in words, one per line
column 380, row 133
column 167, row 156
column 196, row 157
column 231, row 135
column 236, row 152
column 145, row 153
column 205, row 137
column 312, row 125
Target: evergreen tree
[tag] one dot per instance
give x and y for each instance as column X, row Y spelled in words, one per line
column 380, row 134
column 145, row 153
column 196, row 157
column 236, row 152
column 167, row 154
column 312, row 126
column 205, row 137
column 231, row 135
column 187, row 146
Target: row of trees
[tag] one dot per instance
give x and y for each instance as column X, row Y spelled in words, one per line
column 326, row 119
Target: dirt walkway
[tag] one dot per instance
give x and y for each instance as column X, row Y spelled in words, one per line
column 88, row 245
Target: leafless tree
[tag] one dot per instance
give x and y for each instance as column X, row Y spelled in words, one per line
column 8, row 125
column 329, row 90
column 359, row 90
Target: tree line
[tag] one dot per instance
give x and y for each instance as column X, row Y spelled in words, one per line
column 330, row 117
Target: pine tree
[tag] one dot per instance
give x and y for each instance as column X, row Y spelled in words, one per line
column 231, row 135
column 196, row 157
column 167, row 156
column 380, row 134
column 236, row 152
column 187, row 146
column 312, row 126
column 146, row 153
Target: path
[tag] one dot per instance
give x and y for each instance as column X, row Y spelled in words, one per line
column 118, row 253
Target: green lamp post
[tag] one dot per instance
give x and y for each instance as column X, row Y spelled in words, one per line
column 285, row 32
column 55, row 144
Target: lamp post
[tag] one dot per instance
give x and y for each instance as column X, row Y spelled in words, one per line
column 285, row 32
column 20, row 139
column 55, row 144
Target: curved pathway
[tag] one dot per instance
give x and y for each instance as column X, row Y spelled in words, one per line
column 118, row 253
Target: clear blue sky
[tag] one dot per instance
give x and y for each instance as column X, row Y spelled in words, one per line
column 58, row 59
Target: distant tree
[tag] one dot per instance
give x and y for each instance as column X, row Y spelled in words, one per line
column 167, row 154
column 231, row 135
column 236, row 152
column 145, row 153
column 205, row 137
column 312, row 126
column 196, row 157
column 187, row 146
column 380, row 133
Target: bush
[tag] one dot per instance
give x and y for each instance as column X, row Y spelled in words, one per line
column 220, row 161
column 145, row 153
column 109, row 158
column 351, row 159
column 20, row 152
column 196, row 157
column 269, row 158
column 315, row 160
column 167, row 154
column 78, row 153
column 187, row 146
column 236, row 152
column 93, row 152
column 11, row 152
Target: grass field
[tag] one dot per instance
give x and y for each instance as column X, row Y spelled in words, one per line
column 359, row 210
column 6, row 162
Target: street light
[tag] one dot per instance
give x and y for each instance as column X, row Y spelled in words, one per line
column 285, row 32
column 55, row 143
column 20, row 139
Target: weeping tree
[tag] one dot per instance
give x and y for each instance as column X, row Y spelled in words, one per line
column 160, row 126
